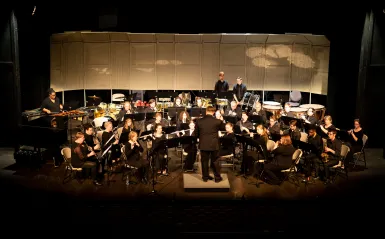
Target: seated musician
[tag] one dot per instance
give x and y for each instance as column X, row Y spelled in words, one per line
column 227, row 146
column 314, row 156
column 274, row 127
column 331, row 154
column 51, row 104
column 309, row 118
column 80, row 157
column 158, row 120
column 178, row 102
column 133, row 154
column 355, row 140
column 287, row 111
column 283, row 155
column 294, row 132
column 234, row 110
column 218, row 115
column 161, row 154
column 199, row 103
column 106, row 142
column 183, row 119
column 151, row 106
column 94, row 144
column 244, row 124
column 328, row 124
column 123, row 131
column 257, row 110
column 126, row 110
column 190, row 149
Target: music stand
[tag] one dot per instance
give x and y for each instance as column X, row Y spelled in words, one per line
column 206, row 94
column 183, row 126
column 226, row 95
column 169, row 129
column 198, row 112
column 256, row 119
column 255, row 144
column 231, row 119
column 155, row 150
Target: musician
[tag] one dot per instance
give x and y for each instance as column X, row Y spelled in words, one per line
column 126, row 110
column 294, row 132
column 158, row 120
column 261, row 138
column 207, row 132
column 328, row 125
column 244, row 124
column 51, row 104
column 239, row 90
column 178, row 102
column 274, row 127
column 190, row 149
column 314, row 156
column 227, row 145
column 333, row 151
column 283, row 155
column 123, row 131
column 151, row 106
column 199, row 103
column 80, row 157
column 309, row 118
column 257, row 110
column 355, row 140
column 234, row 111
column 287, row 111
column 132, row 153
column 183, row 119
column 107, row 134
column 161, row 154
column 221, row 85
column 90, row 138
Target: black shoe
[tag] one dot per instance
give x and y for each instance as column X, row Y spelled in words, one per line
column 204, row 179
column 218, row 179
column 97, row 183
column 210, row 178
column 189, row 170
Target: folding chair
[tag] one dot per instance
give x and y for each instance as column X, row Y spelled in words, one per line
column 360, row 156
column 341, row 169
column 131, row 169
column 70, row 172
column 291, row 173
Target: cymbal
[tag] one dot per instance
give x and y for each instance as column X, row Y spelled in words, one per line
column 122, row 97
column 94, row 97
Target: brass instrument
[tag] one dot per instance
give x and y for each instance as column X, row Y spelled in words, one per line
column 159, row 107
column 325, row 157
column 185, row 97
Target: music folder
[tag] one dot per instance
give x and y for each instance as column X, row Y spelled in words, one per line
column 198, row 112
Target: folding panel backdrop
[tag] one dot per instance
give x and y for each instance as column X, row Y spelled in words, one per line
column 89, row 60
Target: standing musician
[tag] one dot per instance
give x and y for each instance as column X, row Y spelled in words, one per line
column 207, row 132
column 283, row 154
column 151, row 106
column 257, row 110
column 328, row 124
column 274, row 127
column 51, row 104
column 221, row 85
column 287, row 111
column 126, row 110
column 332, row 153
column 123, row 131
column 244, row 124
column 294, row 132
column 81, row 159
column 314, row 157
column 107, row 134
column 239, row 90
column 183, row 119
column 132, row 153
column 160, row 156
column 355, row 140
column 309, row 118
column 178, row 102
column 234, row 111
column 158, row 120
column 190, row 149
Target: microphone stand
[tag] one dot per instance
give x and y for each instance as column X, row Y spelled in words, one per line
column 107, row 150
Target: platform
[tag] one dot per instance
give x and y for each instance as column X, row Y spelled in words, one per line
column 193, row 183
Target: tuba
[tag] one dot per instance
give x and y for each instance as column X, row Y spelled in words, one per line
column 185, row 97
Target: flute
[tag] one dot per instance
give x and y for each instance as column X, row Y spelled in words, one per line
column 176, row 132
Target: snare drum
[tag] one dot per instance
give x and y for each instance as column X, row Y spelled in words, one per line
column 276, row 110
column 272, row 103
column 298, row 111
column 319, row 110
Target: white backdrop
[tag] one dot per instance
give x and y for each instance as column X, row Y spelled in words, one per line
column 107, row 60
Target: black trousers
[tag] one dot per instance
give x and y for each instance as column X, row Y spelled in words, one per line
column 99, row 167
column 272, row 172
column 206, row 156
column 190, row 160
column 142, row 165
column 161, row 162
column 330, row 163
column 89, row 169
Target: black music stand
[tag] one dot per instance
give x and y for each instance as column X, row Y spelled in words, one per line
column 183, row 126
column 198, row 112
column 175, row 111
column 226, row 95
column 254, row 143
column 231, row 119
column 257, row 119
column 169, row 129
column 207, row 94
column 155, row 150
column 243, row 140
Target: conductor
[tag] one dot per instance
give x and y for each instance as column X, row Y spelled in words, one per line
column 207, row 133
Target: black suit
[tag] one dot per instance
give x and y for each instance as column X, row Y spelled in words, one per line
column 207, row 131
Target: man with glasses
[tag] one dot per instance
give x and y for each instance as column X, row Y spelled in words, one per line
column 51, row 104
column 332, row 153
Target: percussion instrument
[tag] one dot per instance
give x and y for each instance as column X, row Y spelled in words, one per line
column 98, row 122
column 206, row 102
column 112, row 108
column 111, row 117
column 276, row 110
column 94, row 97
column 319, row 110
column 103, row 106
column 222, row 102
column 298, row 111
column 99, row 112
column 272, row 103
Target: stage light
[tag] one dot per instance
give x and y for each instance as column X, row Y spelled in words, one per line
column 34, row 10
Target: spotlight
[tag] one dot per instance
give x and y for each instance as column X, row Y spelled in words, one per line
column 34, row 10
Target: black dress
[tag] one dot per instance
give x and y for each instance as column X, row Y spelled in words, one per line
column 159, row 153
column 227, row 144
column 134, row 158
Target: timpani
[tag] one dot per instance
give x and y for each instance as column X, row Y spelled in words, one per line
column 272, row 103
column 298, row 111
column 319, row 110
column 274, row 109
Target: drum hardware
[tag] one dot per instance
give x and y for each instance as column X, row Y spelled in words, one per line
column 94, row 97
